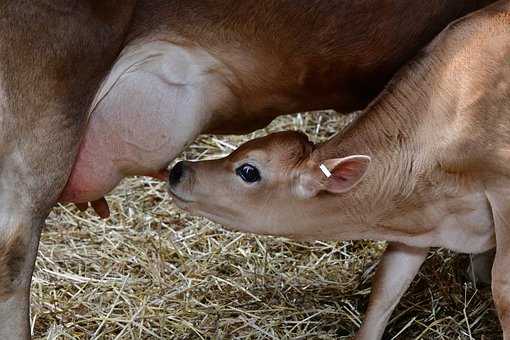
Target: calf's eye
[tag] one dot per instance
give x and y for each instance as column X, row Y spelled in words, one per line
column 248, row 173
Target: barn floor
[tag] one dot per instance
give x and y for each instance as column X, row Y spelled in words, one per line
column 153, row 272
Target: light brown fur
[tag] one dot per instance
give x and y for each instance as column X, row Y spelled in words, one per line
column 229, row 66
column 53, row 54
column 439, row 142
column 285, row 56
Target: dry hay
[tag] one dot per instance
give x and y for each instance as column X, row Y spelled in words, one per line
column 153, row 272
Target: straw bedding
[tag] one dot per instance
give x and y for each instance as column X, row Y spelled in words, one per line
column 153, row 272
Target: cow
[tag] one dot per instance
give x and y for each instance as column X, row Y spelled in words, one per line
column 226, row 66
column 427, row 164
column 120, row 87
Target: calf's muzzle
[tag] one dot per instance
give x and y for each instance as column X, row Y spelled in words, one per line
column 176, row 173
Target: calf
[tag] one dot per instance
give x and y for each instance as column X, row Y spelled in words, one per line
column 230, row 66
column 426, row 165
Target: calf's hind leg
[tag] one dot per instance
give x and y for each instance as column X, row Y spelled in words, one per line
column 499, row 200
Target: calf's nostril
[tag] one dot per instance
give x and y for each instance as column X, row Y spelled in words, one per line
column 176, row 173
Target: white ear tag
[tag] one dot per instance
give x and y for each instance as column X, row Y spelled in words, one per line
column 325, row 170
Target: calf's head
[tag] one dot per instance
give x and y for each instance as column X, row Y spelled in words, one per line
column 270, row 185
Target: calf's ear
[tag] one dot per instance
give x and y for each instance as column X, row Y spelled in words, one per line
column 342, row 174
column 336, row 175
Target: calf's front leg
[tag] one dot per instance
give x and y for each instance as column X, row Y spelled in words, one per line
column 398, row 267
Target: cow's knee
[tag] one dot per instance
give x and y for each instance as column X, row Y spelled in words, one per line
column 19, row 238
column 13, row 252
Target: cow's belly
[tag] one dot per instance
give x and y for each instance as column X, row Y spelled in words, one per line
column 121, row 141
column 94, row 172
column 152, row 105
column 109, row 152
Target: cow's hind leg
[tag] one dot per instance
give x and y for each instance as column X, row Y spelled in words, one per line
column 53, row 55
column 18, row 249
column 30, row 184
